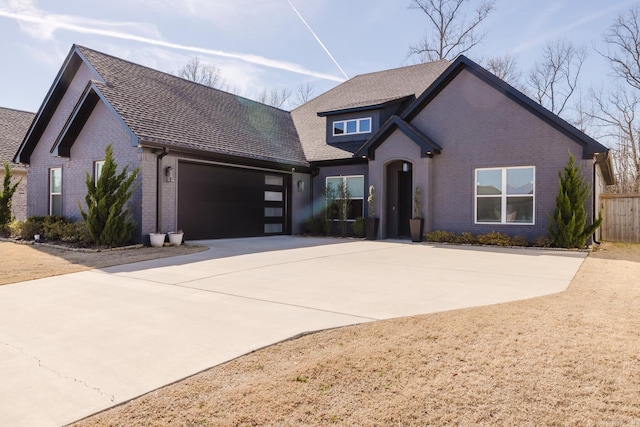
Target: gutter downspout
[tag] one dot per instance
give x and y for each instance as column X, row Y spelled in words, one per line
column 159, row 158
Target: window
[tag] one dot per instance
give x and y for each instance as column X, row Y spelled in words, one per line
column 505, row 195
column 97, row 169
column 55, row 191
column 346, row 127
column 355, row 185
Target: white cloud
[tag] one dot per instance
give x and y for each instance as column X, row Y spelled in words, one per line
column 39, row 24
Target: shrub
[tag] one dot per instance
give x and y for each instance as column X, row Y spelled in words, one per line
column 6, row 193
column 27, row 229
column 568, row 227
column 543, row 242
column 441, row 236
column 53, row 227
column 314, row 225
column 359, row 227
column 75, row 232
column 494, row 238
column 467, row 238
column 519, row 241
column 107, row 217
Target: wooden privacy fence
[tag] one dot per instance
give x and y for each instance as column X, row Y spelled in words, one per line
column 620, row 217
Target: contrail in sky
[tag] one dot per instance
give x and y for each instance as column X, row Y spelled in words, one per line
column 55, row 22
column 318, row 40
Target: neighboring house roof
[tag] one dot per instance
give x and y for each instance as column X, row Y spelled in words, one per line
column 13, row 127
column 359, row 92
column 165, row 110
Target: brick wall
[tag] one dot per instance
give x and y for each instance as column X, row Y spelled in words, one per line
column 101, row 128
column 479, row 127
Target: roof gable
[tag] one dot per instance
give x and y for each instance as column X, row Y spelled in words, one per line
column 590, row 146
column 165, row 110
column 427, row 146
column 360, row 93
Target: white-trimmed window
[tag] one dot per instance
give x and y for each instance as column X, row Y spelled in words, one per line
column 55, row 191
column 505, row 195
column 97, row 169
column 355, row 185
column 352, row 126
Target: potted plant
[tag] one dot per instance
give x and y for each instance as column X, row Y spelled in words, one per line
column 157, row 239
column 416, row 224
column 372, row 222
column 175, row 237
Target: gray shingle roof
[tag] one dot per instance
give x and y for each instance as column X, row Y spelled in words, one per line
column 14, row 125
column 365, row 89
column 165, row 109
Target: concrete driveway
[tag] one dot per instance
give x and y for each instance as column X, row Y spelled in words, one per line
column 76, row 344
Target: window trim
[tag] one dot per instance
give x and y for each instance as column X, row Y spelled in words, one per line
column 51, row 193
column 503, row 197
column 344, row 178
column 357, row 120
column 97, row 169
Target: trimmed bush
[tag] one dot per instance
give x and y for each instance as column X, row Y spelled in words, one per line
column 440, row 236
column 107, row 217
column 359, row 227
column 568, row 227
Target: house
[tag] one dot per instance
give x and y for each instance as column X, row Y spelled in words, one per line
column 13, row 127
column 214, row 164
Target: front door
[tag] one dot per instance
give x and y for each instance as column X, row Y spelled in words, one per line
column 399, row 199
column 404, row 203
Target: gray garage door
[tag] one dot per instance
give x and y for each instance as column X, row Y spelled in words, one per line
column 217, row 202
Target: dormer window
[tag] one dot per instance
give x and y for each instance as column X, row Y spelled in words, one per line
column 352, row 126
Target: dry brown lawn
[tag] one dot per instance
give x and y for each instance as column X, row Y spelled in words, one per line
column 46, row 261
column 570, row 359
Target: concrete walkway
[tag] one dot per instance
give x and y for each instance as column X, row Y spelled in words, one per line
column 76, row 344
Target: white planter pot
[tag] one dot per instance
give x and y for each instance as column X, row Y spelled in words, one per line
column 175, row 238
column 157, row 239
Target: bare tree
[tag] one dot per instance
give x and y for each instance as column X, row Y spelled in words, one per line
column 555, row 78
column 504, row 67
column 206, row 74
column 450, row 33
column 616, row 109
column 623, row 38
column 616, row 112
column 304, row 93
column 274, row 97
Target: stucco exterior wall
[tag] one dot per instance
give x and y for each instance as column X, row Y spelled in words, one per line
column 479, row 127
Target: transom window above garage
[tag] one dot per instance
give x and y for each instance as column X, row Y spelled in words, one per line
column 352, row 126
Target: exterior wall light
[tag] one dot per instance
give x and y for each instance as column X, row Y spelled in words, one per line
column 168, row 174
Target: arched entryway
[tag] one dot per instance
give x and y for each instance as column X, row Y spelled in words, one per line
column 399, row 199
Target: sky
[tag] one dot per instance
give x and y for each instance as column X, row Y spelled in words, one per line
column 272, row 44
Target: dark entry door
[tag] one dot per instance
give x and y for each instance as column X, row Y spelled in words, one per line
column 399, row 199
column 404, row 203
column 223, row 202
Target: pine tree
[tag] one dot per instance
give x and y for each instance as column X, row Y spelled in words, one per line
column 6, row 195
column 107, row 218
column 568, row 227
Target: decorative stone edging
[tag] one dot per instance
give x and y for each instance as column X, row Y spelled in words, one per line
column 70, row 248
